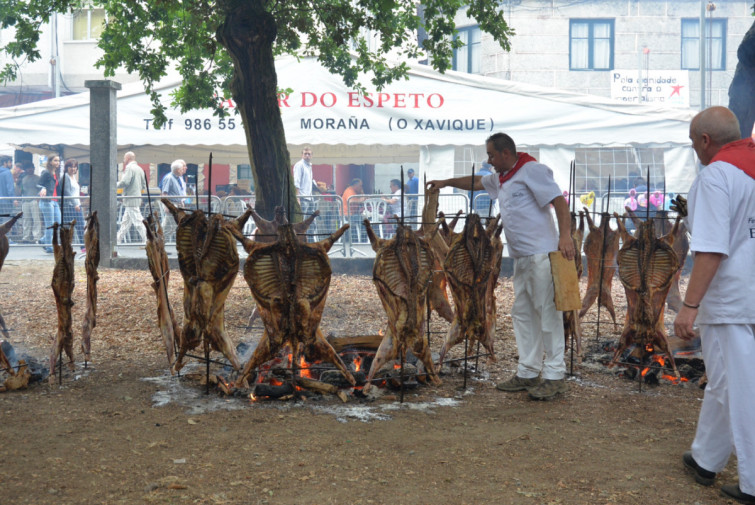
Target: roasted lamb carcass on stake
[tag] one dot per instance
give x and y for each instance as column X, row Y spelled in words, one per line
column 571, row 317
column 448, row 229
column 4, row 230
column 62, row 288
column 647, row 265
column 472, row 266
column 92, row 262
column 663, row 226
column 402, row 273
column 209, row 261
column 4, row 248
column 160, row 270
column 597, row 256
column 289, row 280
column 267, row 232
column 436, row 293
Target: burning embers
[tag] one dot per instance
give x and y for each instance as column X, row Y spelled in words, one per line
column 279, row 379
column 646, row 366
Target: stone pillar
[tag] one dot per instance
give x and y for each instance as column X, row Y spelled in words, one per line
column 103, row 147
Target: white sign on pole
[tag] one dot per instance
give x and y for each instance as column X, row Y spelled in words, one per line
column 659, row 87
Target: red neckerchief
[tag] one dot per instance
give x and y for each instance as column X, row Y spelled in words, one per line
column 740, row 153
column 523, row 158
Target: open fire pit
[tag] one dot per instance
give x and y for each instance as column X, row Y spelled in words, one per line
column 280, row 379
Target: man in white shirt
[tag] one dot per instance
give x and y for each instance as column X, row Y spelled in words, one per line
column 304, row 181
column 132, row 183
column 525, row 190
column 719, row 298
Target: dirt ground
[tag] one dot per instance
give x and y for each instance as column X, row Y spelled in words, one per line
column 123, row 432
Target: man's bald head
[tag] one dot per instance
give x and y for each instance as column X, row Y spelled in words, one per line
column 712, row 129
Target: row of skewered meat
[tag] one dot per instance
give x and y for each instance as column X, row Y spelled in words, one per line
column 4, row 248
column 63, row 284
column 649, row 265
column 289, row 280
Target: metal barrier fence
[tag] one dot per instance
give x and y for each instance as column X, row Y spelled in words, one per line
column 132, row 209
column 485, row 206
column 235, row 205
column 39, row 213
column 380, row 208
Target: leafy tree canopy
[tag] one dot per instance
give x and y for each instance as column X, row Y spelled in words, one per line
column 149, row 37
column 226, row 48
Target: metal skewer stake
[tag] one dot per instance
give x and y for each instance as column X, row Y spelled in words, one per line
column 573, row 215
column 209, row 189
column 402, row 195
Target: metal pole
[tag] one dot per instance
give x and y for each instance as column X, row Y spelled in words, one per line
column 466, row 345
column 401, row 374
column 149, row 198
column 207, row 367
column 402, row 199
column 209, row 189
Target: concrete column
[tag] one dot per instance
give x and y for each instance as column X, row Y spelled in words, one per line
column 103, row 145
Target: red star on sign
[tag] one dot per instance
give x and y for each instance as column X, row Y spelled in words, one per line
column 676, row 91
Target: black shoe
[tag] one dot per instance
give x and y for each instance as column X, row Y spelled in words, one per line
column 733, row 491
column 702, row 476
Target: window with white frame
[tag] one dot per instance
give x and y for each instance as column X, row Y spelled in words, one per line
column 87, row 24
column 591, row 44
column 467, row 58
column 715, row 42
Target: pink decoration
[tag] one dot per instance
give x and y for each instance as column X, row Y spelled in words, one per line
column 656, row 200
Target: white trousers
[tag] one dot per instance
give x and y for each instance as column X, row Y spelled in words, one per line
column 168, row 225
column 538, row 326
column 727, row 416
column 131, row 217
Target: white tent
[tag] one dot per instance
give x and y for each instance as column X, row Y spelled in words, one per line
column 420, row 119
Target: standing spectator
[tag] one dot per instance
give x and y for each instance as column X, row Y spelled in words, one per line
column 133, row 183
column 18, row 173
column 304, row 183
column 525, row 189
column 48, row 202
column 71, row 192
column 352, row 207
column 394, row 206
column 174, row 188
column 412, row 188
column 719, row 298
column 32, row 219
column 7, row 189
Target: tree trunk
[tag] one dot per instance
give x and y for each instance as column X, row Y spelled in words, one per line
column 248, row 33
column 741, row 97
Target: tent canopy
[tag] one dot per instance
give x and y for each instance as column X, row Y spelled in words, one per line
column 427, row 109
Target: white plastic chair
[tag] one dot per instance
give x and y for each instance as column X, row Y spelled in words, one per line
column 375, row 210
